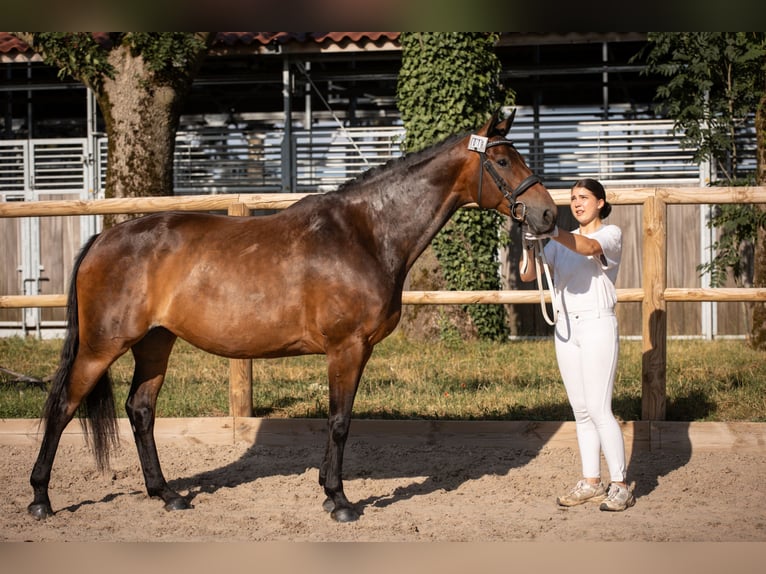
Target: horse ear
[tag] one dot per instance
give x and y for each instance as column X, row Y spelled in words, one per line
column 501, row 128
column 497, row 127
column 493, row 121
column 507, row 123
column 492, row 125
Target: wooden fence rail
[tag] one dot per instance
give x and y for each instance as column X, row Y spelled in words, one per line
column 653, row 296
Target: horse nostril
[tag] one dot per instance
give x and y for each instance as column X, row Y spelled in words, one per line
column 549, row 217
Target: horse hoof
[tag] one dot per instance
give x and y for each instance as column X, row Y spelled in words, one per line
column 328, row 505
column 177, row 504
column 344, row 515
column 40, row 511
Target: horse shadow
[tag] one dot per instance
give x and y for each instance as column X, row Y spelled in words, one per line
column 423, row 469
column 437, row 459
column 72, row 508
column 426, row 463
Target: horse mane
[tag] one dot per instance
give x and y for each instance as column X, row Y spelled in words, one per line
column 401, row 163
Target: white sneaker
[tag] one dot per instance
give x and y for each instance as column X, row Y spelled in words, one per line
column 619, row 498
column 583, row 492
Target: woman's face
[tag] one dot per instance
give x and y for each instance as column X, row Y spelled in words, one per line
column 585, row 207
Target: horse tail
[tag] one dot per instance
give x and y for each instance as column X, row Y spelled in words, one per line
column 97, row 413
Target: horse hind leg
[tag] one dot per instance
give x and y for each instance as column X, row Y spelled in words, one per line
column 151, row 355
column 83, row 377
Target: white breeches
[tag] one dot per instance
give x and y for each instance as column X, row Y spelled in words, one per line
column 587, row 347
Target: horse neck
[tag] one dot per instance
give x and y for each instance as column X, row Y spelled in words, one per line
column 414, row 205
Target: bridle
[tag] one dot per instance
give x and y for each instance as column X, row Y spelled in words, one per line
column 517, row 208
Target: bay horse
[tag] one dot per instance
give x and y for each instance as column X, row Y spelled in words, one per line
column 324, row 276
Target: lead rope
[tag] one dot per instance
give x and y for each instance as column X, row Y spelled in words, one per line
column 542, row 262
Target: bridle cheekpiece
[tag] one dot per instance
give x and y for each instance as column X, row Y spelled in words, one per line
column 518, row 210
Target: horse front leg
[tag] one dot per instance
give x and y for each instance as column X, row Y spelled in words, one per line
column 345, row 368
column 151, row 355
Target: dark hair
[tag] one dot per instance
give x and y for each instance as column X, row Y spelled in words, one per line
column 596, row 189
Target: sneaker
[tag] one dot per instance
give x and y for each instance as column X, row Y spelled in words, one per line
column 583, row 492
column 619, row 498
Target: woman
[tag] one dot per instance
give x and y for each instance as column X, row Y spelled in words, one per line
column 584, row 266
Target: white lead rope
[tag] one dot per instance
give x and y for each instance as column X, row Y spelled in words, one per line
column 541, row 261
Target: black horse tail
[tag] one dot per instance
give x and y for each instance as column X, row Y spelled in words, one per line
column 97, row 413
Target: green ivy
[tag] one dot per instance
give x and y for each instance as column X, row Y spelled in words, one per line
column 450, row 83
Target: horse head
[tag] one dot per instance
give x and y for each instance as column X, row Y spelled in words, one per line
column 511, row 188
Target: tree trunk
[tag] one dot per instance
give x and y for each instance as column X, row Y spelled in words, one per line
column 758, row 330
column 141, row 117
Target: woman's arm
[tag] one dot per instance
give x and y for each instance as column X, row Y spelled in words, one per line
column 581, row 244
column 578, row 243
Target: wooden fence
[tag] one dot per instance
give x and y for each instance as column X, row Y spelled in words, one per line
column 653, row 296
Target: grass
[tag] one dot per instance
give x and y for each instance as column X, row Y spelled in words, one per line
column 721, row 380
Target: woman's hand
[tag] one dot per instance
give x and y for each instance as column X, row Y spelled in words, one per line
column 532, row 237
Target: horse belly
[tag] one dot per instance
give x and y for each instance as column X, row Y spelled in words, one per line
column 242, row 322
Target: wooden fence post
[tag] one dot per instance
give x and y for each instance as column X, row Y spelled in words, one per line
column 240, row 370
column 654, row 315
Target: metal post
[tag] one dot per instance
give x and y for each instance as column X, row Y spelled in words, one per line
column 605, row 78
column 708, row 318
column 308, row 123
column 709, row 309
column 90, row 224
column 287, row 147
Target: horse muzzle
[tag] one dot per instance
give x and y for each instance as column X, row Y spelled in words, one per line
column 539, row 220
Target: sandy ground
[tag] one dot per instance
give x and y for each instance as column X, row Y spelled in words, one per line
column 467, row 491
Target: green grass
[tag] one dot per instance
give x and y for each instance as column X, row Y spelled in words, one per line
column 706, row 381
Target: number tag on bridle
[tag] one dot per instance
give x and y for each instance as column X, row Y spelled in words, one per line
column 478, row 143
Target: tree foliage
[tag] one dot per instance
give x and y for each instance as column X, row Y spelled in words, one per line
column 714, row 85
column 450, row 83
column 715, row 82
column 140, row 80
column 171, row 56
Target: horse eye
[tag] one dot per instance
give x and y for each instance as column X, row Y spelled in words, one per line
column 502, row 162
